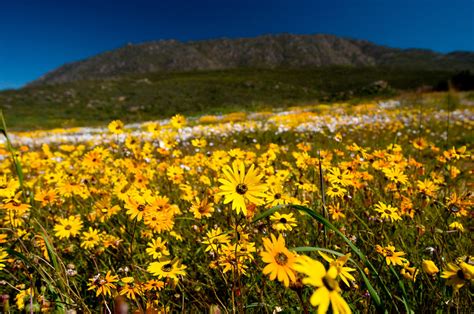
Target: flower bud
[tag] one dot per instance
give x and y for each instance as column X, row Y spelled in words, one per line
column 429, row 267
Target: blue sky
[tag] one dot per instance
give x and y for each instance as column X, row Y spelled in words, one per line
column 38, row 36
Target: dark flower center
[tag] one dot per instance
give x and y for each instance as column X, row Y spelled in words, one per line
column 166, row 268
column 283, row 220
column 329, row 283
column 277, row 196
column 453, row 209
column 67, row 227
column 241, row 188
column 141, row 207
column 281, row 259
column 460, row 274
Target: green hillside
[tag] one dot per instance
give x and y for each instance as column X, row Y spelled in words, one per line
column 140, row 97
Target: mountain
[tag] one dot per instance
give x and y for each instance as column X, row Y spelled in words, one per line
column 159, row 79
column 267, row 52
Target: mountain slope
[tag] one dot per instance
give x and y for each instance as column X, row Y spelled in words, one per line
column 268, row 51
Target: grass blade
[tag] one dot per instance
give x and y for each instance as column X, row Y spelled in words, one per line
column 18, row 168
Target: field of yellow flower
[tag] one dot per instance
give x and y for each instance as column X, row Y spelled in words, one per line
column 342, row 208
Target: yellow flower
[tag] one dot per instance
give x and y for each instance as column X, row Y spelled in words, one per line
column 336, row 177
column 458, row 275
column 131, row 289
column 3, row 258
column 175, row 174
column 233, row 257
column 137, row 206
column 279, row 259
column 420, row 143
column 94, row 160
column 160, row 221
column 275, row 196
column 391, row 257
column 328, row 291
column 429, row 267
column 21, row 296
column 408, row 272
column 455, row 154
column 427, row 187
column 283, row 222
column 45, row 197
column 215, row 239
column 178, row 121
column 202, row 208
column 116, row 127
column 68, row 227
column 167, row 269
column 199, row 142
column 16, row 217
column 240, row 187
column 336, row 211
column 335, row 191
column 153, row 128
column 342, row 271
column 90, row 238
column 8, row 187
column 456, row 226
column 103, row 284
column 153, row 285
column 15, row 204
column 157, row 248
column 387, row 211
column 396, row 175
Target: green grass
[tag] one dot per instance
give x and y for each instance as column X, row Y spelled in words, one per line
column 135, row 98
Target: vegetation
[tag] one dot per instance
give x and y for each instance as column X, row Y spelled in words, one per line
column 135, row 98
column 350, row 207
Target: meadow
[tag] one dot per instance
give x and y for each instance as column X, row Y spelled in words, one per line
column 327, row 207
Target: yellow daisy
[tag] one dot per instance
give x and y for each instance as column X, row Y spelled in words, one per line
column 328, row 290
column 68, row 227
column 458, row 275
column 240, row 187
column 103, row 284
column 279, row 259
column 283, row 222
column 90, row 238
column 391, row 257
column 167, row 269
column 157, row 248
